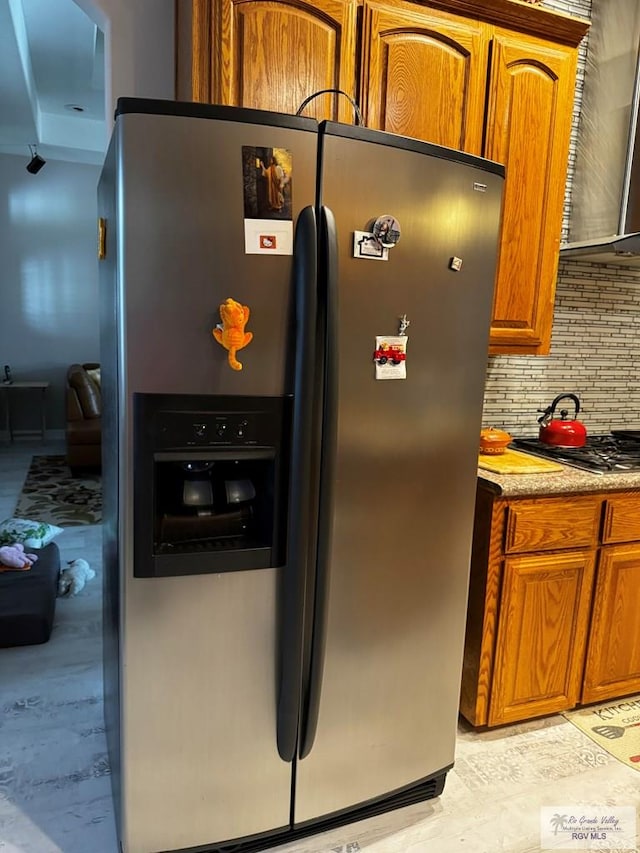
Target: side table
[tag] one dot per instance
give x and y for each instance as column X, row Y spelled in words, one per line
column 10, row 389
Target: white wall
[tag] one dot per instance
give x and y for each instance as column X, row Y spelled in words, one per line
column 48, row 267
column 139, row 48
column 48, row 277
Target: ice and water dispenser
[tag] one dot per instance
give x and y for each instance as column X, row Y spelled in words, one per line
column 210, row 483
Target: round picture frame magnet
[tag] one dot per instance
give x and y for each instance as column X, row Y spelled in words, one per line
column 386, row 229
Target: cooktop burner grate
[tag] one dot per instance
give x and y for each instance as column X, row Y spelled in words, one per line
column 614, row 452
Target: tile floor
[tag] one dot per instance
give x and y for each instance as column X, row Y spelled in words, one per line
column 491, row 802
column 55, row 791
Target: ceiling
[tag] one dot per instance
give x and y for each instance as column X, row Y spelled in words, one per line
column 51, row 81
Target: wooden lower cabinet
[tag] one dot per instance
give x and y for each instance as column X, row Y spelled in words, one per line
column 613, row 658
column 544, row 615
column 554, row 605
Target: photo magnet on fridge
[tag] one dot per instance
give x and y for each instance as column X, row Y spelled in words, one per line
column 267, row 188
column 387, row 230
column 366, row 245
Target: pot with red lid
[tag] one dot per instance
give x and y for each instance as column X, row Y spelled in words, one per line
column 562, row 431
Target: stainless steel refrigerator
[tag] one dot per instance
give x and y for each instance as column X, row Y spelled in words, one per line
column 286, row 545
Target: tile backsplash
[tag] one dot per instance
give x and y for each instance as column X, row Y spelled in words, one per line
column 595, row 353
column 595, row 344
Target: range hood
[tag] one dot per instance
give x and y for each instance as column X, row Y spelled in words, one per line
column 604, row 225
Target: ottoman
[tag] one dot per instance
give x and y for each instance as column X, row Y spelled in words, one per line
column 28, row 600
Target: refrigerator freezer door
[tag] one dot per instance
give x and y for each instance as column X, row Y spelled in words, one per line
column 183, row 252
column 402, row 509
column 200, row 762
column 198, row 654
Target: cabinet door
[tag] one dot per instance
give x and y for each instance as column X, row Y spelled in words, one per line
column 272, row 55
column 613, row 656
column 424, row 74
column 530, row 105
column 542, row 628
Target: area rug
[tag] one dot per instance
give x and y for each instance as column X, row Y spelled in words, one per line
column 51, row 494
column 615, row 726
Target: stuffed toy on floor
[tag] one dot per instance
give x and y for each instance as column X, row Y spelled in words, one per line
column 74, row 577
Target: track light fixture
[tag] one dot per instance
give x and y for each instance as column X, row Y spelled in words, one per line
column 36, row 163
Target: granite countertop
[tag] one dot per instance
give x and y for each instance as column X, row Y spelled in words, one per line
column 568, row 481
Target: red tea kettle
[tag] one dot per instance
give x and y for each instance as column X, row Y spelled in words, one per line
column 562, row 432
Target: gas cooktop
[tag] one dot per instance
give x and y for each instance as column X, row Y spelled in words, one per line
column 614, row 452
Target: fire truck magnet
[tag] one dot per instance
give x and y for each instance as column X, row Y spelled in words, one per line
column 390, row 356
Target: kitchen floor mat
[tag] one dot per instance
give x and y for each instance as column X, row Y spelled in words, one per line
column 614, row 725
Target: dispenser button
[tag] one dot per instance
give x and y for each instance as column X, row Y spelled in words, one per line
column 200, row 429
column 241, row 429
column 221, row 429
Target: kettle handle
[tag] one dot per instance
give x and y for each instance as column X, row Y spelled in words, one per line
column 550, row 410
column 573, row 397
column 564, row 397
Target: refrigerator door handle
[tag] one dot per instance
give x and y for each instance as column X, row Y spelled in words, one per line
column 328, row 280
column 294, row 576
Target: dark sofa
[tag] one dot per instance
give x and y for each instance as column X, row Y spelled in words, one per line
column 28, row 600
column 84, row 417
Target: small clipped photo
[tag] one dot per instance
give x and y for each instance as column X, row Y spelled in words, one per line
column 267, row 181
column 268, row 211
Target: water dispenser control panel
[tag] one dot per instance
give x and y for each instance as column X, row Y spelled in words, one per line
column 213, row 429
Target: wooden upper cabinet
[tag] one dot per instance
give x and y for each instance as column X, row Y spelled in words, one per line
column 424, row 74
column 271, row 55
column 528, row 128
column 490, row 77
